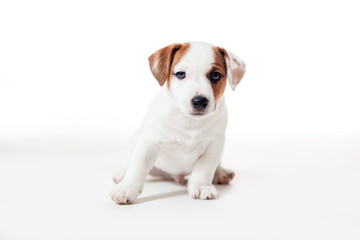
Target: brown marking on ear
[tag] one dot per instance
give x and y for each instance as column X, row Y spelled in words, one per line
column 161, row 61
column 219, row 65
column 235, row 69
column 237, row 72
column 236, row 62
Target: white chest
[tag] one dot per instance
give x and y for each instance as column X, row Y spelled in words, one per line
column 178, row 156
column 181, row 140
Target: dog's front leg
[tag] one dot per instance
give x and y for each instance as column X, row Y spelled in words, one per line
column 142, row 160
column 200, row 182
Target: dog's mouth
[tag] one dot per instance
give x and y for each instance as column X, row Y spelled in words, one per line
column 201, row 113
column 198, row 114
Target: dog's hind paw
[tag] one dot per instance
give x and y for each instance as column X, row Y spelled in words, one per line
column 223, row 176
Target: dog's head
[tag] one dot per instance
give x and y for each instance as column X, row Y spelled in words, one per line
column 196, row 74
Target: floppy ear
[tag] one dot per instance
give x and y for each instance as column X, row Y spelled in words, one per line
column 235, row 67
column 160, row 62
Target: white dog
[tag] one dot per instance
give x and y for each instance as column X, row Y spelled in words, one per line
column 183, row 131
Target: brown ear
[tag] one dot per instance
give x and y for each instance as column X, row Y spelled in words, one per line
column 160, row 62
column 235, row 68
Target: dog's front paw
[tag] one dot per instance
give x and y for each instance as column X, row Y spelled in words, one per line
column 125, row 193
column 202, row 191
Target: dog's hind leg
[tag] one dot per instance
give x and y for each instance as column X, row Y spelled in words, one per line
column 223, row 176
column 179, row 179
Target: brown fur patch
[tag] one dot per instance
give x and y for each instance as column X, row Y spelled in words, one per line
column 219, row 65
column 177, row 57
column 162, row 61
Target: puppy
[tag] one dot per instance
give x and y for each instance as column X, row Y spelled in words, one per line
column 183, row 131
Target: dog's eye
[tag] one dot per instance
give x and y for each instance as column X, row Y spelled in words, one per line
column 215, row 77
column 180, row 75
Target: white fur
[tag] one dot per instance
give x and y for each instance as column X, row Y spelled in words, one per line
column 173, row 140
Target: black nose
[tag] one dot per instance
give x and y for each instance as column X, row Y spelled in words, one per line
column 199, row 102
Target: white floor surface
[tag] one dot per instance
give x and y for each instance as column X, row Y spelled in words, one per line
column 285, row 188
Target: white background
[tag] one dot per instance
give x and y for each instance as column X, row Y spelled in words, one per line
column 75, row 82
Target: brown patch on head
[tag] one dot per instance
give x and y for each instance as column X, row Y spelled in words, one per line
column 219, row 65
column 177, row 57
column 163, row 61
